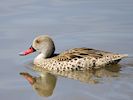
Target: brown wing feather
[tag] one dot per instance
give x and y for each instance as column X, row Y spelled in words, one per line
column 80, row 53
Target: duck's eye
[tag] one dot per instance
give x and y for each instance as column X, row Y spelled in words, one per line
column 36, row 88
column 37, row 41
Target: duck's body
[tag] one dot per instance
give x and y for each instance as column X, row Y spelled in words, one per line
column 73, row 59
column 78, row 59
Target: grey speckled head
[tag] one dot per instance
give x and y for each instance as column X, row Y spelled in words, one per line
column 44, row 44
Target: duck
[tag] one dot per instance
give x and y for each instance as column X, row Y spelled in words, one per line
column 74, row 59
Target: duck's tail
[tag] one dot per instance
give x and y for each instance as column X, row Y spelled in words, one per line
column 118, row 57
column 126, row 56
column 123, row 56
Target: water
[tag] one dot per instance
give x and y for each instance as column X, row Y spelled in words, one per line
column 104, row 24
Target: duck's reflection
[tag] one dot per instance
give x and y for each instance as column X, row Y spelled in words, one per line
column 88, row 76
column 45, row 83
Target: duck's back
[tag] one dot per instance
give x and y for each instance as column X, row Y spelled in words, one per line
column 89, row 52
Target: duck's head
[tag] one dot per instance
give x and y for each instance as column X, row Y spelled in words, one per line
column 43, row 44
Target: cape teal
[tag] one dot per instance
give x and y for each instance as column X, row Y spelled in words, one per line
column 69, row 60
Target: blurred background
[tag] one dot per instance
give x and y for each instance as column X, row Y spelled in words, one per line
column 100, row 24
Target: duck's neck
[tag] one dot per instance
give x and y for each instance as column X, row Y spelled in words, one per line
column 48, row 51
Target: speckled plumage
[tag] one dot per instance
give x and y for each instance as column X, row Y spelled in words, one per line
column 78, row 59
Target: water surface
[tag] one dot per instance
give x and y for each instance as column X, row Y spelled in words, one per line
column 104, row 24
